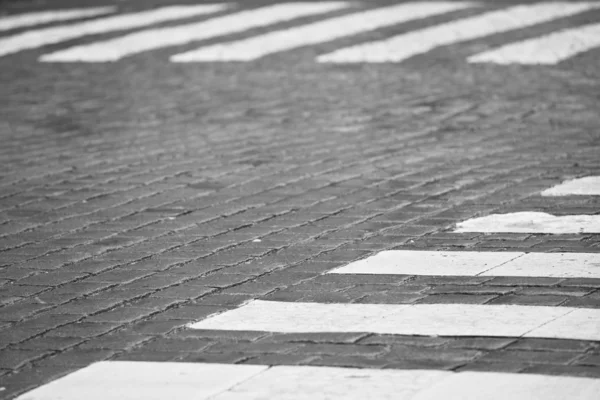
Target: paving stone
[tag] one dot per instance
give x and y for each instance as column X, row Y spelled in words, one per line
column 49, row 343
column 120, row 314
column 537, row 344
column 13, row 359
column 179, row 345
column 541, row 300
column 557, row 291
column 530, row 357
column 189, row 312
column 235, row 336
column 482, row 366
column 569, row 370
column 278, row 359
column 418, row 341
column 591, row 360
column 83, row 329
column 525, row 281
column 75, row 357
column 18, row 311
column 349, row 361
column 457, row 299
column 481, row 343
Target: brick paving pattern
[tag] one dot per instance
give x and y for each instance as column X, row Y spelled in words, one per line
column 136, row 198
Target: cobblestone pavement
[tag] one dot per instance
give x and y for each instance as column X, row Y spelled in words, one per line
column 142, row 195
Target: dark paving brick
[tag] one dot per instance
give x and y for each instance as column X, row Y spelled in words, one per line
column 530, row 300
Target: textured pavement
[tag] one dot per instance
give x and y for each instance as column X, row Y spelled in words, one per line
column 139, row 196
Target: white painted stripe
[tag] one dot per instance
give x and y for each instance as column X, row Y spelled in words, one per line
column 471, row 263
column 115, row 49
column 407, row 262
column 319, row 32
column 407, row 45
column 42, row 37
column 417, row 319
column 125, row 380
column 502, row 386
column 590, row 185
column 44, row 17
column 531, row 222
column 547, row 49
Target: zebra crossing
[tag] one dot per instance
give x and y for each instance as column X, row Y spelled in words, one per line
column 157, row 380
column 133, row 33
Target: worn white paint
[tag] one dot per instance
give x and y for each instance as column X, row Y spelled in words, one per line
column 471, row 263
column 552, row 265
column 8, row 22
column 313, row 383
column 532, row 222
column 42, row 37
column 587, row 186
column 129, row 380
column 502, row 386
column 319, row 32
column 125, row 380
column 582, row 324
column 416, row 319
column 150, row 39
column 548, row 49
column 407, row 45
column 408, row 262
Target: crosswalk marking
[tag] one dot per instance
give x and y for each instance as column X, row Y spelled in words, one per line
column 41, row 37
column 531, row 222
column 404, row 46
column 115, row 49
column 547, row 49
column 319, row 32
column 414, row 319
column 127, row 380
column 43, row 17
column 476, row 263
column 589, row 185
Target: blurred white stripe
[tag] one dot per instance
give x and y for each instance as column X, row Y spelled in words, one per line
column 548, row 49
column 476, row 263
column 44, row 17
column 134, row 380
column 410, row 319
column 404, row 46
column 323, row 31
column 41, row 37
column 115, row 49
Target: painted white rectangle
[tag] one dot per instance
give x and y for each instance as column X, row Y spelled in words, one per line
column 548, row 49
column 502, row 386
column 151, row 39
column 417, row 319
column 587, row 186
column 408, row 262
column 476, row 263
column 130, row 380
column 45, row 17
column 125, row 380
column 319, row 32
column 531, row 222
column 582, row 324
column 551, row 265
column 42, row 37
column 402, row 47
